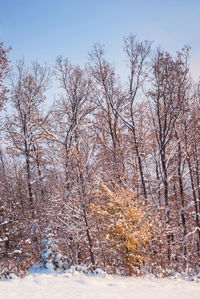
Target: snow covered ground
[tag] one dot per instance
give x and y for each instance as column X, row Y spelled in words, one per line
column 76, row 285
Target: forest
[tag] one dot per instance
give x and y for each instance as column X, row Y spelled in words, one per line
column 108, row 176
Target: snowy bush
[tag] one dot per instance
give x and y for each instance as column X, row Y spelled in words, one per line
column 86, row 269
column 52, row 259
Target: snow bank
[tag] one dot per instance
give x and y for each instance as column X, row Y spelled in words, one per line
column 73, row 284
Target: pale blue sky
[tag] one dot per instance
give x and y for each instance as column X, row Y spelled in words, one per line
column 44, row 29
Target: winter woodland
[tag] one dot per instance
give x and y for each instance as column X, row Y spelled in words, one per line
column 109, row 175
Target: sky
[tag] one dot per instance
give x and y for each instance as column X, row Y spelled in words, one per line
column 44, row 29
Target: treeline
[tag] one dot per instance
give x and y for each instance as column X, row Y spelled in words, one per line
column 109, row 176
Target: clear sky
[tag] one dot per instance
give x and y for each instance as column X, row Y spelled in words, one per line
column 44, row 29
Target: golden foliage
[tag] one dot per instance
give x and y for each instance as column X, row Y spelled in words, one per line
column 126, row 227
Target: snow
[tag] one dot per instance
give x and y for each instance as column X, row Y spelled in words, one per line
column 72, row 284
column 4, row 223
column 3, row 240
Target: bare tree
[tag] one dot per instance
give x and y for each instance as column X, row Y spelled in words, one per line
column 108, row 127
column 24, row 128
column 4, row 69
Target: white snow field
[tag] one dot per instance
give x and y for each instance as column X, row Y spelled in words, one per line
column 76, row 285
